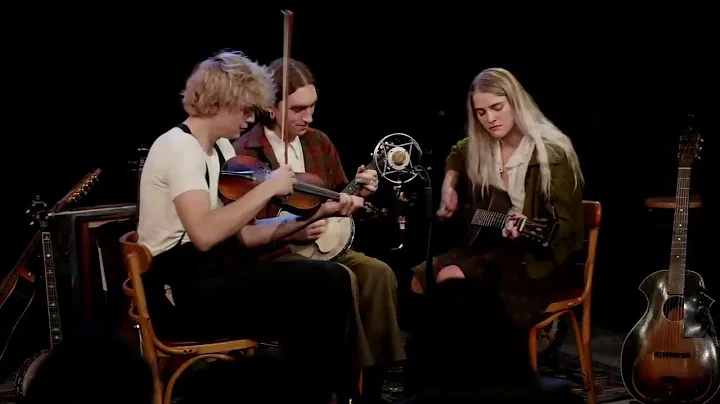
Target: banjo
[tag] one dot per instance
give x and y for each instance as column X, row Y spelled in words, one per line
column 30, row 366
column 338, row 236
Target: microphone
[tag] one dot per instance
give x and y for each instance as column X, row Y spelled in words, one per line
column 396, row 156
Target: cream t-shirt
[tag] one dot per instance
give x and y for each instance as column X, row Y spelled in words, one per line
column 175, row 164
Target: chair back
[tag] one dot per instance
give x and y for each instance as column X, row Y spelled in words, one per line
column 593, row 216
column 129, row 245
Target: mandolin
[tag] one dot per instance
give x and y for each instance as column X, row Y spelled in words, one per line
column 671, row 354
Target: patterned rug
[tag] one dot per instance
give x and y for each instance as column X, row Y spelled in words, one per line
column 608, row 381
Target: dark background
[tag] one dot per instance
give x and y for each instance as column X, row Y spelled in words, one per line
column 87, row 94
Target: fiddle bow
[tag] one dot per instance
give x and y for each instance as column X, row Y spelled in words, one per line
column 286, row 59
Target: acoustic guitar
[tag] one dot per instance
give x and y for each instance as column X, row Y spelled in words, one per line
column 671, row 354
column 339, row 234
column 40, row 215
column 491, row 212
column 17, row 290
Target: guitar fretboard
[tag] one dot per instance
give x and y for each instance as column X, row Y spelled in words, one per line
column 678, row 249
column 51, row 288
column 487, row 218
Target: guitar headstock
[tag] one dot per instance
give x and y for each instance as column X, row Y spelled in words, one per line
column 81, row 189
column 38, row 211
column 689, row 147
column 539, row 230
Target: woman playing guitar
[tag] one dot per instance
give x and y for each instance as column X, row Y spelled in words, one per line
column 516, row 159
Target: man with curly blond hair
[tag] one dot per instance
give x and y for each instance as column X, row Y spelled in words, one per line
column 205, row 282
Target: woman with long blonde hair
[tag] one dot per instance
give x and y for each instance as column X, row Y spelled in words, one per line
column 513, row 150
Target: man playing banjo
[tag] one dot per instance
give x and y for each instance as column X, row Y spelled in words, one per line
column 310, row 150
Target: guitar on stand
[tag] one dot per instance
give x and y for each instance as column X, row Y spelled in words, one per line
column 40, row 215
column 671, row 354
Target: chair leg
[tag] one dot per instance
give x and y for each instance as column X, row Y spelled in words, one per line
column 587, row 349
column 176, row 375
column 148, row 350
column 532, row 345
column 578, row 345
column 585, row 357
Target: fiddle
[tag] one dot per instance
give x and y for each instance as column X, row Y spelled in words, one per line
column 241, row 174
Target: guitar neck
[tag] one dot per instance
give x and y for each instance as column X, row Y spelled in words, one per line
column 51, row 289
column 353, row 187
column 678, row 249
column 487, row 218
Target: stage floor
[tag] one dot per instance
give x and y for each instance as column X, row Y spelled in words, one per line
column 606, row 352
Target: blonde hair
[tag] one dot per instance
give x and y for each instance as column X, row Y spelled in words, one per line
column 528, row 119
column 228, row 80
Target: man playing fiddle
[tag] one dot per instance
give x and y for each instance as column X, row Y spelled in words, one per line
column 381, row 342
column 202, row 248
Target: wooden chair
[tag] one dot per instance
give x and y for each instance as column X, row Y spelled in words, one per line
column 578, row 297
column 137, row 259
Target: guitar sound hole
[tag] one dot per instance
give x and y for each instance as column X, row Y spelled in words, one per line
column 673, row 309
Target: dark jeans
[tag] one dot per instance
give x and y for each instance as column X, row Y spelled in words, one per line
column 305, row 305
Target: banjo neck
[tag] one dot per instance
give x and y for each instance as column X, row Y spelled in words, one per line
column 53, row 305
column 354, row 187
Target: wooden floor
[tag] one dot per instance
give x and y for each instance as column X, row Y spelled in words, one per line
column 606, row 349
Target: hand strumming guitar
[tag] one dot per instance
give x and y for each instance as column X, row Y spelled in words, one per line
column 448, row 203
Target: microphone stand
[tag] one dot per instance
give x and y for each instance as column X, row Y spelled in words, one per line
column 430, row 216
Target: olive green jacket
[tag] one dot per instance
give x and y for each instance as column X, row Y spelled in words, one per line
column 566, row 197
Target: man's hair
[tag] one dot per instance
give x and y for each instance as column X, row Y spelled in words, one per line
column 228, row 80
column 299, row 75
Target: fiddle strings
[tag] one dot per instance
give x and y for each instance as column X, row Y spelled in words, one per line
column 323, row 192
column 315, row 190
column 286, row 55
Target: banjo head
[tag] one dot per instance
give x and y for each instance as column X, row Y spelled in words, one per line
column 336, row 240
column 28, row 370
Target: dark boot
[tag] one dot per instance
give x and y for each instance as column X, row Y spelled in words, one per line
column 372, row 384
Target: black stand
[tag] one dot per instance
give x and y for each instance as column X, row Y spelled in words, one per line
column 430, row 216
